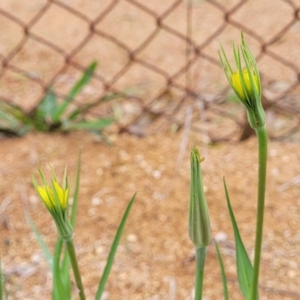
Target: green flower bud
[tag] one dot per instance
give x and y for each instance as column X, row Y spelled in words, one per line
column 245, row 82
column 199, row 224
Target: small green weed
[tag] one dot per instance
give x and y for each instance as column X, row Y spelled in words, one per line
column 49, row 115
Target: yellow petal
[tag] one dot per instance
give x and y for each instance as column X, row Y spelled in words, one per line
column 46, row 195
column 237, row 83
column 62, row 195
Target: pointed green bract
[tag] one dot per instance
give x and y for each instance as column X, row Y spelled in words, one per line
column 244, row 266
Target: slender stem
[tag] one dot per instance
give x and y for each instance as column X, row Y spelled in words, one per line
column 57, row 285
column 77, row 276
column 200, row 261
column 262, row 170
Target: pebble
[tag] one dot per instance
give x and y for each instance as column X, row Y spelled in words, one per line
column 132, row 238
column 221, row 236
column 96, row 201
column 156, row 174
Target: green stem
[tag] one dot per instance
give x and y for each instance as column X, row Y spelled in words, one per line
column 77, row 276
column 200, row 261
column 262, row 170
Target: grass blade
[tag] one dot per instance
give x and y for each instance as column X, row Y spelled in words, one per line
column 84, row 80
column 90, row 125
column 9, row 120
column 223, row 273
column 13, row 120
column 43, row 115
column 113, row 250
column 47, row 106
column 13, row 113
column 77, row 88
column 80, row 110
column 244, row 266
column 41, row 242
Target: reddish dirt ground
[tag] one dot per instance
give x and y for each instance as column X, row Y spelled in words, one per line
column 155, row 258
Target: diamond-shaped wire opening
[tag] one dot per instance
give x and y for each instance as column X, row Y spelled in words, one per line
column 66, row 79
column 250, row 16
column 38, row 60
column 91, row 93
column 272, row 72
column 161, row 52
column 167, row 101
column 204, row 83
column 110, row 57
column 139, row 81
column 227, row 6
column 66, row 31
column 11, row 35
column 287, row 46
column 23, row 90
column 128, row 24
column 206, row 19
column 24, row 11
column 219, row 125
column 91, row 9
column 158, row 7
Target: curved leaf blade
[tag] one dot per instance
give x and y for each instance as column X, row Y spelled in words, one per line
column 223, row 273
column 244, row 266
column 113, row 250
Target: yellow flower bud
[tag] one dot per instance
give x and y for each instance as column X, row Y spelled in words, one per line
column 237, row 83
column 245, row 82
column 55, row 198
column 48, row 195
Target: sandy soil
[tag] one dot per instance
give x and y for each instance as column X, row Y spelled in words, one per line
column 155, row 257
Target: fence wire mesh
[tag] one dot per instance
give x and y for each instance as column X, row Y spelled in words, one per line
column 160, row 56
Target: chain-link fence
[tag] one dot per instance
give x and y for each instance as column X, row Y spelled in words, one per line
column 161, row 56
